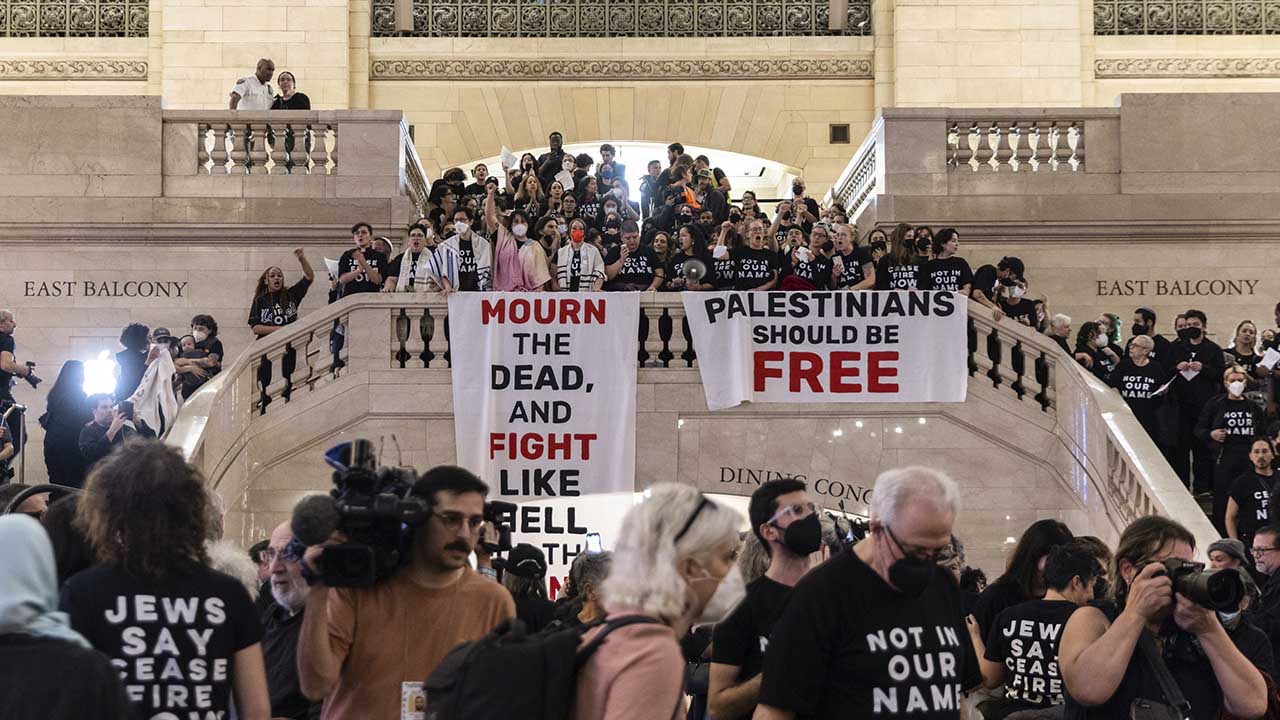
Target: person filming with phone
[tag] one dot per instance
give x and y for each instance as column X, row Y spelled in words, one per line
column 1158, row 650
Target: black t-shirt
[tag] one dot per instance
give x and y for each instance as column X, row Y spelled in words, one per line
column 6, row 378
column 985, row 279
column 279, row 652
column 278, row 309
column 726, row 269
column 296, row 101
column 468, row 268
column 393, row 270
column 998, row 597
column 361, row 284
column 742, row 638
column 49, row 679
column 173, row 642
column 1024, row 309
column 892, row 276
column 853, row 272
column 753, row 268
column 1252, row 492
column 535, row 613
column 848, row 646
column 1025, row 640
column 675, row 268
column 637, row 271
column 1248, row 362
column 951, row 273
column 1137, row 385
column 1190, row 670
column 816, row 270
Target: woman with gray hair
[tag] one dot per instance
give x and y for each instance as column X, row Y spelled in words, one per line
column 673, row 566
column 1138, row 378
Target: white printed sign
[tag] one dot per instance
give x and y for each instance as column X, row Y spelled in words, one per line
column 830, row 347
column 544, row 397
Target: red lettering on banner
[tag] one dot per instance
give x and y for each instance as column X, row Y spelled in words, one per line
column 804, row 368
column 543, row 311
column 537, row 446
column 876, row 372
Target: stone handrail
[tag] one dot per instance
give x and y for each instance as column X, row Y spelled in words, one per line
column 376, row 334
column 860, row 178
column 412, row 177
column 280, row 142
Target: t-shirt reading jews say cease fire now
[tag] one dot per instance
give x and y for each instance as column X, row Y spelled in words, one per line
column 850, row 647
column 1024, row 638
column 173, row 642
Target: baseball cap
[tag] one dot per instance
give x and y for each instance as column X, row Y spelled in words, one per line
column 705, row 173
column 525, row 560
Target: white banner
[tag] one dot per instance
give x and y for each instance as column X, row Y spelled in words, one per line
column 544, row 404
column 830, row 347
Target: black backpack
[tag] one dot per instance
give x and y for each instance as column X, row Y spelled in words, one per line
column 512, row 674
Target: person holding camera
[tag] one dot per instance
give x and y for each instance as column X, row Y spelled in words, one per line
column 10, row 368
column 108, row 429
column 364, row 649
column 1107, row 651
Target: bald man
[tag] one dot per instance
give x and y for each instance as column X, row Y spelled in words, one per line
column 253, row 92
column 281, row 623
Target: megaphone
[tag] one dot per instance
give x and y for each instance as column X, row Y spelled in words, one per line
column 694, row 269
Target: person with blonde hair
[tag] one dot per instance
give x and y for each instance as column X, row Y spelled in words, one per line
column 1229, row 423
column 879, row 630
column 673, row 567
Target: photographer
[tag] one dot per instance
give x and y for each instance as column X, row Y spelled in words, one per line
column 108, row 429
column 363, row 647
column 10, row 368
column 1104, row 669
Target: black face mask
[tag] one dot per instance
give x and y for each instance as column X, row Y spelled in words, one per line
column 1138, row 330
column 1189, row 333
column 912, row 576
column 803, row 536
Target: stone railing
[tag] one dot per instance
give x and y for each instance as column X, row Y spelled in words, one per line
column 413, row 177
column 384, row 336
column 858, row 182
column 1025, row 145
column 634, row 18
column 293, row 142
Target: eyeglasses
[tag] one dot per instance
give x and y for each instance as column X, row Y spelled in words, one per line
column 1260, row 550
column 795, row 510
column 453, row 521
column 921, row 552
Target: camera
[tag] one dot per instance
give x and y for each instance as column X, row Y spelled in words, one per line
column 372, row 507
column 1215, row 589
column 32, row 379
column 496, row 511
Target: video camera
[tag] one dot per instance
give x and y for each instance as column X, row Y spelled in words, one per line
column 32, row 379
column 371, row 506
column 1215, row 589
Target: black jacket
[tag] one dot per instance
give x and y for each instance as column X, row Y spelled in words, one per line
column 1194, row 393
column 1242, row 419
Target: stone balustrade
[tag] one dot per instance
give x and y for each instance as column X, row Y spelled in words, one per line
column 1016, row 145
column 263, row 143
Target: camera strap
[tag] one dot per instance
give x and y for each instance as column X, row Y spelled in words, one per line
column 1168, row 686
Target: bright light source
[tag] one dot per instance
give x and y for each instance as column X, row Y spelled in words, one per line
column 922, row 421
column 898, row 429
column 1010, row 541
column 837, row 433
column 680, row 423
column 857, row 424
column 1006, row 517
column 100, row 374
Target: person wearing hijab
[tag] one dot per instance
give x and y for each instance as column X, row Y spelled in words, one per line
column 47, row 670
column 67, row 412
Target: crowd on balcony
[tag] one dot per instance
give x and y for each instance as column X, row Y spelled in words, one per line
column 117, row 605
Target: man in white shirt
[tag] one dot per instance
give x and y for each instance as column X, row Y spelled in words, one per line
column 253, row 92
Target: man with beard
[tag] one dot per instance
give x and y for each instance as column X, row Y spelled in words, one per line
column 281, row 623
column 363, row 650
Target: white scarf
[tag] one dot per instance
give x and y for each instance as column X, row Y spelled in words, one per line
column 410, row 269
column 448, row 257
column 154, row 402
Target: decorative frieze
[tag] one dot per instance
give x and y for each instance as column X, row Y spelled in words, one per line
column 843, row 68
column 81, row 18
column 1187, row 67
column 1186, row 17
column 80, row 69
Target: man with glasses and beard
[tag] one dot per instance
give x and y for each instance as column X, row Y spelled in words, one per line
column 281, row 623
column 364, row 649
column 1266, row 558
column 785, row 520
column 879, row 630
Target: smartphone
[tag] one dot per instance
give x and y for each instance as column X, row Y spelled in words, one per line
column 593, row 543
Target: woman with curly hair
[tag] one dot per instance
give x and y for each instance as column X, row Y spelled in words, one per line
column 186, row 637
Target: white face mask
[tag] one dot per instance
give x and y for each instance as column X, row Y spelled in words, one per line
column 460, row 227
column 199, row 335
column 1236, row 388
column 1016, row 291
column 1100, row 341
column 519, row 229
column 728, row 595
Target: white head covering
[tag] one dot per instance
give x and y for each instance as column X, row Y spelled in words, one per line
column 29, row 583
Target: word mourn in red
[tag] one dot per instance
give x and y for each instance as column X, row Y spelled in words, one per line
column 841, row 368
column 536, row 446
column 543, row 311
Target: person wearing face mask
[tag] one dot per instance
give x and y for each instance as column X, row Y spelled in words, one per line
column 1144, row 323
column 1199, row 362
column 755, row 267
column 924, row 241
column 1093, row 351
column 1033, row 630
column 1137, row 378
column 989, row 282
column 464, row 261
column 579, row 265
column 1229, row 423
column 786, row 522
column 901, row 268
column 1249, row 504
column 1104, row 668
column 852, row 624
column 518, row 261
column 673, row 568
column 1014, row 303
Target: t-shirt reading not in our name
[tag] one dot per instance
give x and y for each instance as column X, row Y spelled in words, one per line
column 753, row 268
column 172, row 641
column 854, row 272
column 850, row 646
column 637, row 270
column 950, row 273
column 1024, row 638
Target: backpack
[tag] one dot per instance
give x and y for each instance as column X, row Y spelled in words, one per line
column 510, row 673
